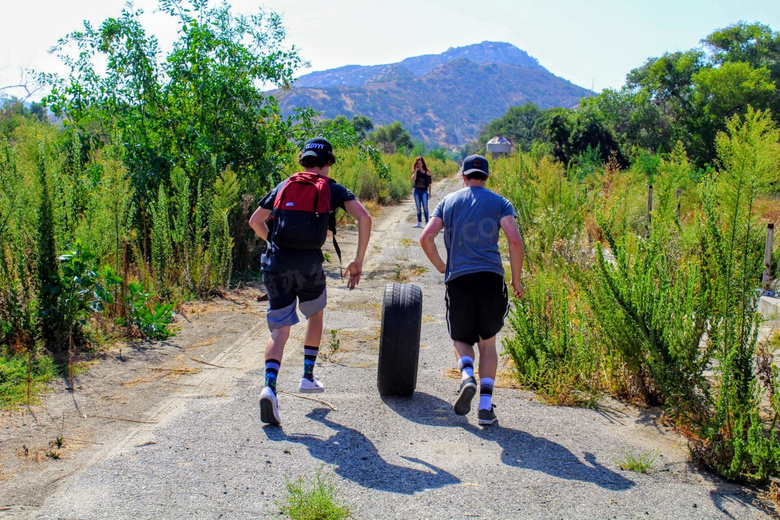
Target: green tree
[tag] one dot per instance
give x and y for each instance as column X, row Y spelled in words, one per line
column 725, row 91
column 519, row 125
column 756, row 44
column 200, row 107
column 392, row 138
column 574, row 133
column 362, row 126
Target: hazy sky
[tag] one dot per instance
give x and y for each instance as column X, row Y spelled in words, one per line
column 592, row 43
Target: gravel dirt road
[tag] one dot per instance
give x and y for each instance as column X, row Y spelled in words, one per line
column 171, row 430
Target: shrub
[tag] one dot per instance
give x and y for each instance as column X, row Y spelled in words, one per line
column 314, row 500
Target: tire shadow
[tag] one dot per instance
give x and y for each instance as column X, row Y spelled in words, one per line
column 519, row 449
column 355, row 458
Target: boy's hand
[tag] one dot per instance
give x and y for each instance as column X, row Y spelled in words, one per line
column 519, row 289
column 354, row 270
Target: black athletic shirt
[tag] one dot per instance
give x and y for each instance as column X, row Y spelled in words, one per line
column 277, row 260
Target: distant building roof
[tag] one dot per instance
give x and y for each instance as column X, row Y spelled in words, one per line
column 499, row 139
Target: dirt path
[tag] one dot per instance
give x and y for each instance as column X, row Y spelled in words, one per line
column 172, row 430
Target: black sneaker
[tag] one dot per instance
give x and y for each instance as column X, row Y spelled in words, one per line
column 468, row 388
column 487, row 416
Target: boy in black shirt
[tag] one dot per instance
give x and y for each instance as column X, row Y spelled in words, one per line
column 295, row 276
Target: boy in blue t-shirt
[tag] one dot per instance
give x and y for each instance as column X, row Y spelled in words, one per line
column 476, row 293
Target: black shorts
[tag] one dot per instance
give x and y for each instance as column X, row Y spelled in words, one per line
column 285, row 289
column 477, row 304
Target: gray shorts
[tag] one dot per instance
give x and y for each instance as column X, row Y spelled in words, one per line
column 285, row 290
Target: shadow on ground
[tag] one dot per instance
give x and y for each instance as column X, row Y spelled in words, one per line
column 519, row 449
column 355, row 457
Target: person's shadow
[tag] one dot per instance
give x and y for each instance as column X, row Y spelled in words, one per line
column 519, row 449
column 356, row 458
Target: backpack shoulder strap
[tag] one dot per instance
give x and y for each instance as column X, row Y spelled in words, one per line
column 332, row 228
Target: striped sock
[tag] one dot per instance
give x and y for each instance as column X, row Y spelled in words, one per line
column 271, row 371
column 485, row 393
column 309, row 358
column 466, row 367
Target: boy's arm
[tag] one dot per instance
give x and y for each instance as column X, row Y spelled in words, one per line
column 355, row 267
column 257, row 222
column 516, row 252
column 435, row 225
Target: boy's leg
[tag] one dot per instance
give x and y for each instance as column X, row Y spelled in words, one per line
column 311, row 346
column 313, row 298
column 461, row 323
column 274, row 350
column 488, row 365
column 488, row 358
column 281, row 316
column 468, row 385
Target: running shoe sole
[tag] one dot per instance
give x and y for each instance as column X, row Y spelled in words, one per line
column 467, row 392
column 489, row 420
column 268, row 414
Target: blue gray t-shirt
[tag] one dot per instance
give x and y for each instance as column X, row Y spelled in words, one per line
column 472, row 219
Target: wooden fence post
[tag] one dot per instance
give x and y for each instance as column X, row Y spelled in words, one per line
column 649, row 207
column 770, row 228
column 679, row 194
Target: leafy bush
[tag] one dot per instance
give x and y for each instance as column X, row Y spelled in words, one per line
column 550, row 346
column 77, row 291
column 314, row 500
column 664, row 310
column 152, row 320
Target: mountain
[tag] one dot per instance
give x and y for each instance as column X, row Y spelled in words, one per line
column 442, row 99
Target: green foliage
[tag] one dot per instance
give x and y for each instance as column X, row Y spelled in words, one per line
column 22, row 377
column 642, row 463
column 219, row 251
column 152, row 320
column 392, row 138
column 46, row 261
column 736, row 440
column 755, row 43
column 661, row 313
column 14, row 113
column 313, row 500
column 688, row 96
column 104, row 221
column 520, row 125
column 572, row 133
column 78, row 290
column 549, row 347
column 200, row 103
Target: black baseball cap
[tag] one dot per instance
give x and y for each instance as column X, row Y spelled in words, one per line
column 475, row 163
column 318, row 147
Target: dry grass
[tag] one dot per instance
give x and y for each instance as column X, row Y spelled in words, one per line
column 418, row 271
column 770, row 500
column 769, row 209
column 204, row 343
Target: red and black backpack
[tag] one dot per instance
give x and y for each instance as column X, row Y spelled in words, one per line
column 302, row 214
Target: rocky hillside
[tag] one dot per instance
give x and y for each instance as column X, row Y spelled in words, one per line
column 442, row 99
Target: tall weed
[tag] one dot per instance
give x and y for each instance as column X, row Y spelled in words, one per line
column 737, row 440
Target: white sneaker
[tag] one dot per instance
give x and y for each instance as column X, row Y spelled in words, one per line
column 269, row 407
column 308, row 386
column 418, row 225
